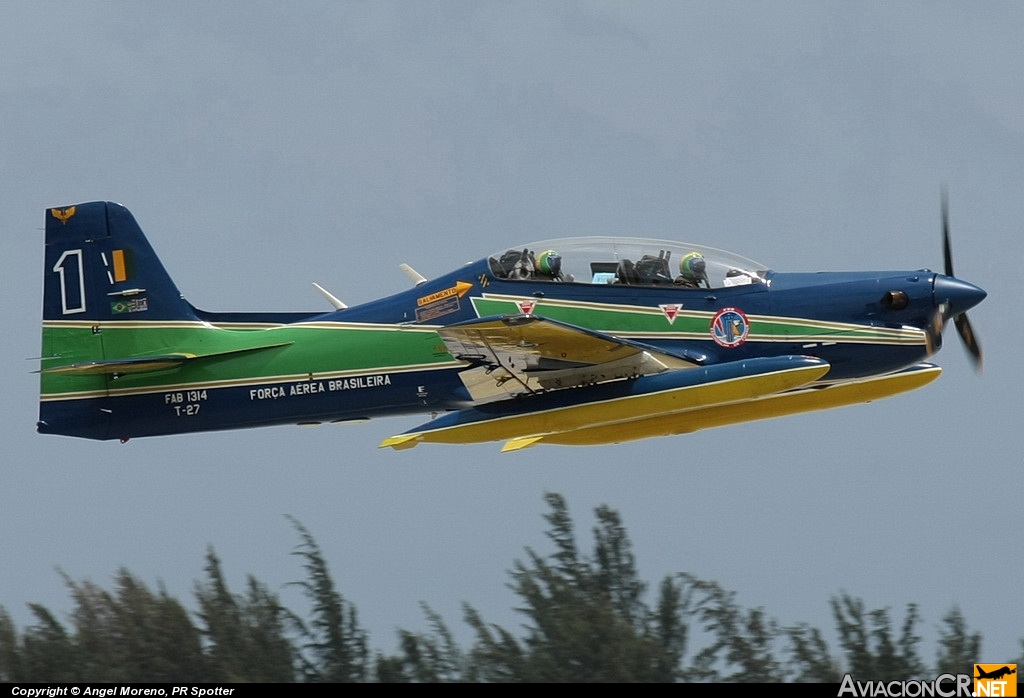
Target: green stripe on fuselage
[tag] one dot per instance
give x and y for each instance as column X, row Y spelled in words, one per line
column 317, row 350
column 601, row 317
column 651, row 322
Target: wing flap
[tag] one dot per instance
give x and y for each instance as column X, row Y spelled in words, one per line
column 515, row 354
column 537, row 340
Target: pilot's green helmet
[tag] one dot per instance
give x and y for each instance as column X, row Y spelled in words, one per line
column 693, row 266
column 549, row 262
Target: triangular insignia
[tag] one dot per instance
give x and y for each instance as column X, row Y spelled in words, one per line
column 526, row 307
column 671, row 310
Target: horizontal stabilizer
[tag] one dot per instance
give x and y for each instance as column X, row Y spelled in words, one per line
column 116, row 366
column 142, row 364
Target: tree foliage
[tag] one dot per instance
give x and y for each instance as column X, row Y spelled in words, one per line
column 337, row 645
column 246, row 637
column 872, row 648
column 127, row 634
column 959, row 649
column 586, row 617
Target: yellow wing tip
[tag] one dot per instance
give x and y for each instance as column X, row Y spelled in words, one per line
column 400, row 442
column 520, row 442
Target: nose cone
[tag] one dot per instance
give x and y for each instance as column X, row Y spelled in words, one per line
column 960, row 296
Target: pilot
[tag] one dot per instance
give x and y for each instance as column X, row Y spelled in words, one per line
column 549, row 266
column 692, row 271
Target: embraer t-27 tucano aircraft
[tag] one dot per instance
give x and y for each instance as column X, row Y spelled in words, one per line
column 570, row 341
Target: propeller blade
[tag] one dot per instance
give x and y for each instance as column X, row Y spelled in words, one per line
column 947, row 250
column 966, row 332
column 963, row 325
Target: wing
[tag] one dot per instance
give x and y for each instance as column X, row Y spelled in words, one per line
column 575, row 385
column 535, row 355
column 512, row 355
column 674, row 401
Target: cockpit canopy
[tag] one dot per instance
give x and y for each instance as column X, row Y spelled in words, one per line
column 630, row 261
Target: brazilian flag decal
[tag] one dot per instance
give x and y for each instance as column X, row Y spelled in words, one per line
column 132, row 305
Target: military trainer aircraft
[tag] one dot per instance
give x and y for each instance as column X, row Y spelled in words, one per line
column 572, row 341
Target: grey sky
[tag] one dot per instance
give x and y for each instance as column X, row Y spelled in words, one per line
column 263, row 146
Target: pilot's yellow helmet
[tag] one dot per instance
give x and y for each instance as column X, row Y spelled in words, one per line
column 549, row 262
column 692, row 266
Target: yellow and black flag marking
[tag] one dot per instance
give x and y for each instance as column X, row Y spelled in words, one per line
column 121, row 266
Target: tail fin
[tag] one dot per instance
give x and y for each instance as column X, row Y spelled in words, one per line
column 99, row 266
column 99, row 273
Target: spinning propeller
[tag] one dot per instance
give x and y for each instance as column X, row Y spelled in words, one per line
column 953, row 297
